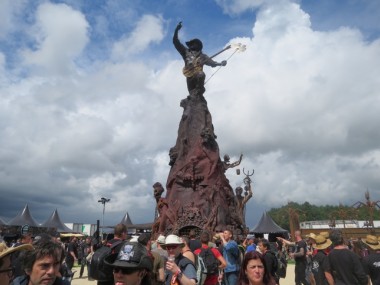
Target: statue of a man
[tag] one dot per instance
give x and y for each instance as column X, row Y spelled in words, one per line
column 241, row 201
column 227, row 164
column 157, row 190
column 194, row 60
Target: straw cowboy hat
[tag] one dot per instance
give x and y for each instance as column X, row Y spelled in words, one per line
column 132, row 255
column 312, row 236
column 321, row 242
column 4, row 250
column 325, row 234
column 372, row 242
column 173, row 240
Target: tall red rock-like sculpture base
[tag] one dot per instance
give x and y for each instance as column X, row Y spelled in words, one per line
column 198, row 193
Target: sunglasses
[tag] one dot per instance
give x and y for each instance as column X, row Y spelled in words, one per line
column 125, row 271
column 170, row 247
column 9, row 270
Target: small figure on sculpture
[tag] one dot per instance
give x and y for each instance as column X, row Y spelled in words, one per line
column 194, row 60
column 227, row 164
column 157, row 191
column 241, row 200
column 247, row 182
column 173, row 154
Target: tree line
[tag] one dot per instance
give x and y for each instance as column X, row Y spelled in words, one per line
column 309, row 212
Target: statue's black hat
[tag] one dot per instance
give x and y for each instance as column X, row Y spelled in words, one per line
column 195, row 44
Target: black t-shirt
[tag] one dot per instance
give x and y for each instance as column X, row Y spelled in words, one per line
column 115, row 252
column 371, row 265
column 319, row 267
column 346, row 268
column 299, row 245
column 72, row 247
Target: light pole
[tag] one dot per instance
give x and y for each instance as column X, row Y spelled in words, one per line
column 103, row 201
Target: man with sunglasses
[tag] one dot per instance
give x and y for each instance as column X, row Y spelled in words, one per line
column 132, row 266
column 179, row 269
column 6, row 268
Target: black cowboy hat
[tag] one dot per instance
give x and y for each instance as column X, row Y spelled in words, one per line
column 132, row 255
column 195, row 44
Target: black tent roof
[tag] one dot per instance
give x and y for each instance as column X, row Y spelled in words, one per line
column 267, row 226
column 23, row 218
column 126, row 220
column 55, row 222
column 143, row 226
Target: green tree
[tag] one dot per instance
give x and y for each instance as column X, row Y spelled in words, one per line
column 309, row 212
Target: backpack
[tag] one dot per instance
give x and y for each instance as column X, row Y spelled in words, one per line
column 275, row 261
column 210, row 261
column 98, row 269
column 241, row 254
column 282, row 263
column 200, row 268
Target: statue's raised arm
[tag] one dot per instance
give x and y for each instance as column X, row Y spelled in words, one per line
column 178, row 45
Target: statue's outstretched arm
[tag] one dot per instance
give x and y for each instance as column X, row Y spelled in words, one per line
column 208, row 61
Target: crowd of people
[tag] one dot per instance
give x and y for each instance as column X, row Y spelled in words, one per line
column 327, row 259
column 44, row 257
column 197, row 258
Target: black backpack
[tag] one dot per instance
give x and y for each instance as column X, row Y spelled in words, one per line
column 98, row 269
column 282, row 263
column 210, row 261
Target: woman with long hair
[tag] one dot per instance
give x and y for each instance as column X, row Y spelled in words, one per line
column 253, row 270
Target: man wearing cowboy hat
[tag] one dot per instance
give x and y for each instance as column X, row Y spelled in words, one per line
column 194, row 60
column 179, row 269
column 343, row 264
column 159, row 242
column 371, row 262
column 6, row 269
column 132, row 265
column 321, row 276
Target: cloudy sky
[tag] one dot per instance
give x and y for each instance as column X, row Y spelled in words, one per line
column 90, row 93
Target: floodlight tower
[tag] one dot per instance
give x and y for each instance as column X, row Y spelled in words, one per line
column 103, row 201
